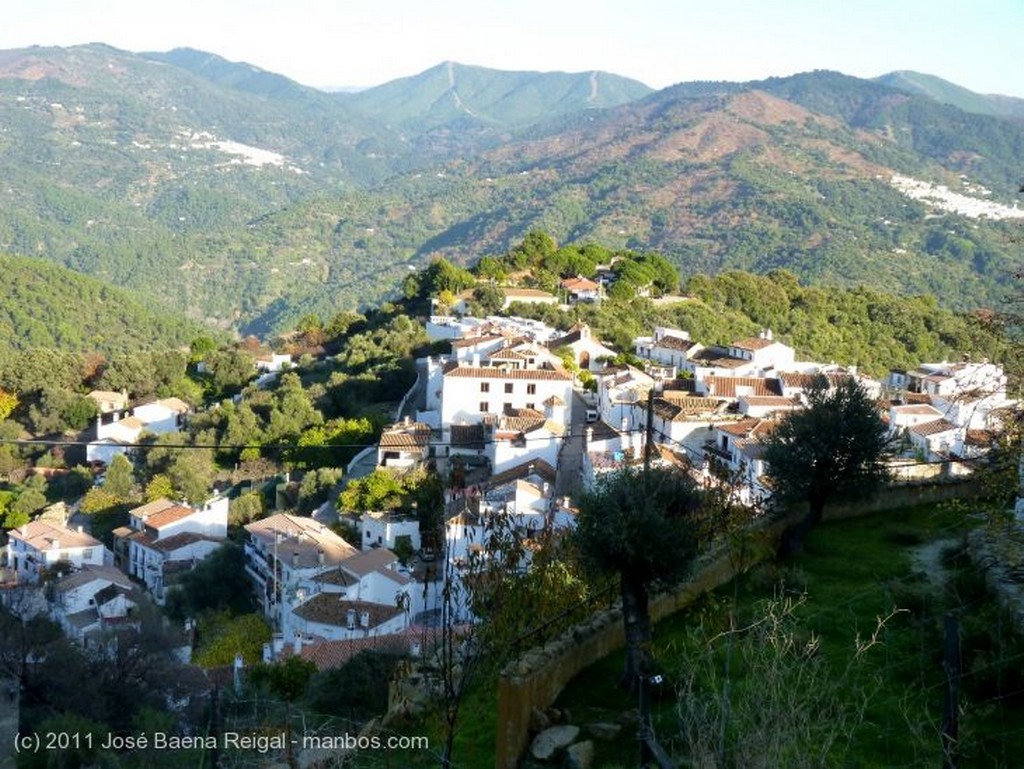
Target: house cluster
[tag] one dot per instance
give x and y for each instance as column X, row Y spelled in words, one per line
column 119, row 428
column 66, row 574
column 501, row 406
column 315, row 588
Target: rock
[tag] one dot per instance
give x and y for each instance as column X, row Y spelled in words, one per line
column 539, row 720
column 554, row 715
column 604, row 730
column 580, row 755
column 550, row 741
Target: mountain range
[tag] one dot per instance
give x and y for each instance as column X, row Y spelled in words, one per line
column 244, row 200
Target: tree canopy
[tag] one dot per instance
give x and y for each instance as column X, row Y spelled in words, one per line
column 833, row 449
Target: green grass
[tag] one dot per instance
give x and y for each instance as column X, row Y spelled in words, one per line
column 852, row 573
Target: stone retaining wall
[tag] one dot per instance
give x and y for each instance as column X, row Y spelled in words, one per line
column 536, row 679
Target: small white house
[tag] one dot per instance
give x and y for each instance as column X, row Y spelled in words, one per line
column 40, row 545
column 165, row 538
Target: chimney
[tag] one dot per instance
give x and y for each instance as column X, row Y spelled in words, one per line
column 350, row 619
column 320, row 557
column 364, row 619
column 297, row 645
column 295, row 559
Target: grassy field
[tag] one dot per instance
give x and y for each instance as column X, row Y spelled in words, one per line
column 812, row 679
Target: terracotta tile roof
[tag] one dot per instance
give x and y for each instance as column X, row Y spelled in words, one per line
column 917, row 409
column 43, row 535
column 175, row 541
column 328, row 609
column 413, row 436
column 747, row 428
column 467, row 436
column 332, row 654
column 771, row 401
column 108, row 395
column 917, row 397
column 804, row 381
column 554, row 400
column 133, row 423
column 524, row 470
column 753, row 343
column 89, row 573
column 932, row 428
column 726, row 387
column 579, row 283
column 478, row 372
column 507, row 354
column 168, row 516
column 151, row 507
column 675, row 343
column 715, row 359
column 366, row 561
column 303, row 536
column 336, row 576
column 174, row 404
column 682, row 409
column 472, row 341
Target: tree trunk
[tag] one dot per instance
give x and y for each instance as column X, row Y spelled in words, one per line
column 792, row 541
column 637, row 621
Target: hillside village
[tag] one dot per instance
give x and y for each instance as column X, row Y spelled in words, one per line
column 512, row 418
column 507, row 419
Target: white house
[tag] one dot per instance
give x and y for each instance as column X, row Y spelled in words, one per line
column 587, row 352
column 472, row 392
column 119, row 434
column 622, row 398
column 384, row 529
column 580, row 289
column 283, row 551
column 404, row 446
column 520, row 436
column 165, row 538
column 40, row 545
column 91, row 600
column 329, row 617
column 162, row 416
column 372, row 578
column 937, row 440
column 684, row 421
column 668, row 347
column 108, row 402
column 765, row 352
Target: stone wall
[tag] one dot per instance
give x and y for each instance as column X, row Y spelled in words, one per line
column 536, row 679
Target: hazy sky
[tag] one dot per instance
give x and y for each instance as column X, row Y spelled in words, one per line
column 974, row 43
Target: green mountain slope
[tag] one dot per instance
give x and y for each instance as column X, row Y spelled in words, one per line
column 46, row 306
column 244, row 200
column 452, row 94
column 944, row 92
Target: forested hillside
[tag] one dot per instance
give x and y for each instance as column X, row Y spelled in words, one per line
column 46, row 306
column 244, row 200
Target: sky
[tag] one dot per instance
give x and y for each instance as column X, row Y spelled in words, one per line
column 360, row 43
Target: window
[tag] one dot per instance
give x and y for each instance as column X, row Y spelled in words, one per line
column 484, row 407
column 531, row 406
column 485, row 387
column 508, row 387
column 531, row 389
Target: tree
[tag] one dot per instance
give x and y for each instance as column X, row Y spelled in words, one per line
column 833, row 449
column 245, row 508
column 120, row 478
column 8, row 402
column 644, row 527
